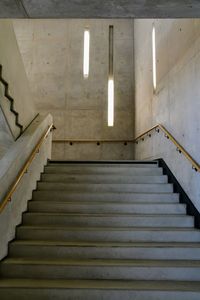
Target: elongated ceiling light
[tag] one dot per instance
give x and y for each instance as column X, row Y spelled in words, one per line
column 154, row 56
column 110, row 102
column 111, row 81
column 86, row 53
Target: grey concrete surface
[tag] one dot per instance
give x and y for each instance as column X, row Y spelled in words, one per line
column 103, row 179
column 133, row 170
column 6, row 138
column 97, row 9
column 103, row 234
column 93, row 290
column 13, row 72
column 10, row 164
column 10, row 9
column 106, row 245
column 111, row 197
column 108, row 187
column 176, row 102
column 52, row 51
column 102, row 207
column 111, row 269
column 94, row 220
column 85, row 250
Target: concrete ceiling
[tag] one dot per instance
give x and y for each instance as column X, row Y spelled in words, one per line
column 99, row 9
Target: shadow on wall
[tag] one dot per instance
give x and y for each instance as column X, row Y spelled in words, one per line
column 6, row 138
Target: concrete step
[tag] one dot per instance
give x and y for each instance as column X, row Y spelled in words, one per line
column 104, row 165
column 106, row 207
column 109, row 234
column 113, row 187
column 107, row 178
column 145, row 170
column 120, row 220
column 98, row 289
column 100, row 162
column 103, row 231
column 108, row 250
column 110, row 269
column 106, row 197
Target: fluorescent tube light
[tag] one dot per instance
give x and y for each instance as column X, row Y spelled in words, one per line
column 86, row 53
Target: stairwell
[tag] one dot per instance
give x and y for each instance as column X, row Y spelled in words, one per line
column 107, row 230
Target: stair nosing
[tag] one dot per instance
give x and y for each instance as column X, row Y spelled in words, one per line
column 85, row 228
column 150, row 285
column 104, row 262
column 101, row 244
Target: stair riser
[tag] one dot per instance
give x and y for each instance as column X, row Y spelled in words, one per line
column 102, row 179
column 103, row 165
column 91, row 294
column 47, row 196
column 42, row 206
column 107, row 235
column 99, row 272
column 80, row 252
column 32, row 219
column 134, row 188
column 103, row 171
column 141, row 219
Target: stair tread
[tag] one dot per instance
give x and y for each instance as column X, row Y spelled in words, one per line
column 102, row 202
column 101, row 284
column 101, row 181
column 105, row 164
column 99, row 175
column 61, row 243
column 130, row 215
column 104, row 262
column 87, row 228
column 107, row 244
column 108, row 192
column 104, row 193
column 101, row 161
column 115, row 184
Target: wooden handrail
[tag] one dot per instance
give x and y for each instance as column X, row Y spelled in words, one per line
column 168, row 135
column 20, row 175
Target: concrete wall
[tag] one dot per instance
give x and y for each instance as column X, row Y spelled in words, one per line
column 10, row 164
column 6, row 138
column 52, row 51
column 176, row 102
column 14, row 73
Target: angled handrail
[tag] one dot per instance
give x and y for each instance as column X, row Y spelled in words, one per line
column 169, row 136
column 93, row 141
column 20, row 175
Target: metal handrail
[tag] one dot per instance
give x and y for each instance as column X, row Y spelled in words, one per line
column 93, row 141
column 169, row 136
column 31, row 157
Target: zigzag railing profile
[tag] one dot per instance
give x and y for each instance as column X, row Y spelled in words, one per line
column 7, row 95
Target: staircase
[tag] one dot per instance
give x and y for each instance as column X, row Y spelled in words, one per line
column 107, row 230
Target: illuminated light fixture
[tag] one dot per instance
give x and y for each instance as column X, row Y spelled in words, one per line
column 111, row 81
column 110, row 102
column 86, row 53
column 154, row 56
